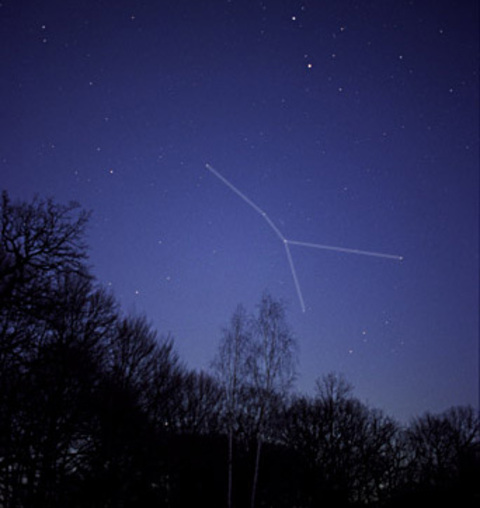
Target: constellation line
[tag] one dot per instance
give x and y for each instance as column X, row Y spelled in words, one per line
column 287, row 242
column 277, row 231
column 247, row 200
column 344, row 249
column 234, row 189
column 294, row 275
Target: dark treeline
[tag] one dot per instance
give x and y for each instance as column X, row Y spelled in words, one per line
column 97, row 410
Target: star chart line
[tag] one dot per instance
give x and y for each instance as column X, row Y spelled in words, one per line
column 286, row 242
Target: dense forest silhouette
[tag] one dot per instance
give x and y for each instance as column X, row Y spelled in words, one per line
column 97, row 410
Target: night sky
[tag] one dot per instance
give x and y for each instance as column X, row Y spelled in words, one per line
column 350, row 123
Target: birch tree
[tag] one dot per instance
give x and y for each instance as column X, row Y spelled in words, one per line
column 271, row 365
column 230, row 367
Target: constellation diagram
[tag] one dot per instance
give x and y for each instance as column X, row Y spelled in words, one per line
column 286, row 242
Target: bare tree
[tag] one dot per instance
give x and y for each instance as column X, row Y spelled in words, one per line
column 229, row 366
column 40, row 243
column 271, row 363
column 255, row 365
column 441, row 446
column 52, row 323
column 38, row 239
column 199, row 405
column 349, row 450
column 46, row 400
column 133, row 351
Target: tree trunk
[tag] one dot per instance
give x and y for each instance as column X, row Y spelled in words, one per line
column 230, row 467
column 255, row 473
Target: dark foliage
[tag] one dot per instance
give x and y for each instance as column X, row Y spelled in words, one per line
column 96, row 410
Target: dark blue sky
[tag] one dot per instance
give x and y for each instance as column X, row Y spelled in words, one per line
column 351, row 123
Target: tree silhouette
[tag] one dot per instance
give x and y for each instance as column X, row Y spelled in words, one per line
column 96, row 408
column 50, row 384
column 444, row 452
column 52, row 323
column 37, row 240
column 230, row 366
column 272, row 369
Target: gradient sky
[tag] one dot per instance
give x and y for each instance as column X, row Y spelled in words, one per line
column 351, row 123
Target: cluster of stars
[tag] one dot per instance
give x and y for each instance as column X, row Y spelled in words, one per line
column 351, row 350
